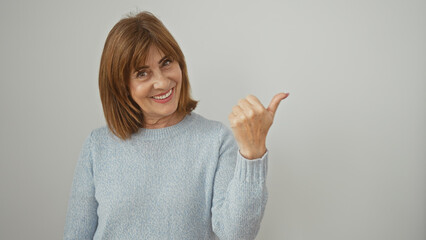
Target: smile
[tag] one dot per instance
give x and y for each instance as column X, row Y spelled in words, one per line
column 164, row 97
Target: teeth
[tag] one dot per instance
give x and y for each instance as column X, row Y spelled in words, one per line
column 163, row 96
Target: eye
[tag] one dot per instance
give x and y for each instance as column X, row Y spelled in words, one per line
column 167, row 62
column 141, row 74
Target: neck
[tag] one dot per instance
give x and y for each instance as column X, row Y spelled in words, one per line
column 153, row 123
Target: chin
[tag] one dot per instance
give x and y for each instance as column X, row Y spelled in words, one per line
column 169, row 112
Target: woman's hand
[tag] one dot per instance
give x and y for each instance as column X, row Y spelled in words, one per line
column 250, row 122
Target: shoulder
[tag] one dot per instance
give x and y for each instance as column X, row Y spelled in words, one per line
column 207, row 125
column 101, row 133
column 102, row 136
column 210, row 127
column 195, row 124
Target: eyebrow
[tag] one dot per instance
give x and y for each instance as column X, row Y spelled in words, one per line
column 146, row 66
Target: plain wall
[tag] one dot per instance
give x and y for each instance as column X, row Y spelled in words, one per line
column 347, row 148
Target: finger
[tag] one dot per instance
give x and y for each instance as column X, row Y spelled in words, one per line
column 247, row 108
column 237, row 111
column 254, row 101
column 236, row 116
column 244, row 104
column 276, row 101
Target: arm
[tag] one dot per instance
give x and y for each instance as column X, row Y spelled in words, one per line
column 239, row 192
column 82, row 219
column 238, row 209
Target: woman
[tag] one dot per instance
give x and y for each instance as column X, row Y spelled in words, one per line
column 158, row 170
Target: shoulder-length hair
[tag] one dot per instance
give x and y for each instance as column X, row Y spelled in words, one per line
column 126, row 46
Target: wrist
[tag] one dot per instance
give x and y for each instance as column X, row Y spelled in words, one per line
column 251, row 154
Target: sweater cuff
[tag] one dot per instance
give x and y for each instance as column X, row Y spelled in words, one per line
column 254, row 170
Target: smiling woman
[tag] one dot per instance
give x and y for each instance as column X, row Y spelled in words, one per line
column 141, row 59
column 159, row 170
column 156, row 88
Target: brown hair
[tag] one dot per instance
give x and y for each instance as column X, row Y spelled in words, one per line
column 126, row 46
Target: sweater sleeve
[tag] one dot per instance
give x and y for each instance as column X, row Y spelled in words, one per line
column 81, row 221
column 239, row 191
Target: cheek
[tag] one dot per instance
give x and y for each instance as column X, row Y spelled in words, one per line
column 140, row 91
column 179, row 79
column 177, row 74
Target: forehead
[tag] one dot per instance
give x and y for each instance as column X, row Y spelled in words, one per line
column 150, row 55
column 154, row 54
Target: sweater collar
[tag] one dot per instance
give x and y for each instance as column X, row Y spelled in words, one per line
column 167, row 132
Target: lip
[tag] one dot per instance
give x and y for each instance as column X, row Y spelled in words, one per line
column 162, row 93
column 166, row 99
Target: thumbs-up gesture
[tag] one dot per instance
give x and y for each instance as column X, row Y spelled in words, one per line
column 250, row 123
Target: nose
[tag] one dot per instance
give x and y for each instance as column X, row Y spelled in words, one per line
column 161, row 81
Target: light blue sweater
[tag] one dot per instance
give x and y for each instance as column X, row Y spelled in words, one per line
column 186, row 181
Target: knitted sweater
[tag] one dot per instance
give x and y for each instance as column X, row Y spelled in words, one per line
column 186, row 181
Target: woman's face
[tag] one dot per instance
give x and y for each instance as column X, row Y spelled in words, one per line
column 156, row 86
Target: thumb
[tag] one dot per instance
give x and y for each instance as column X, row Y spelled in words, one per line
column 276, row 101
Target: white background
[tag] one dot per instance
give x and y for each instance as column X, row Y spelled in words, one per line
column 347, row 148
